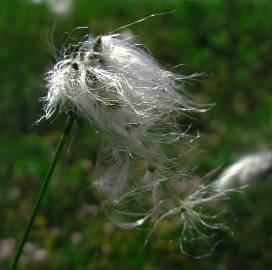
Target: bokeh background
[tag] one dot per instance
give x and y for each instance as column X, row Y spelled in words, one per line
column 228, row 40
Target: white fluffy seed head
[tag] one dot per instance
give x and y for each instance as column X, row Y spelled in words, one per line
column 248, row 169
column 114, row 82
column 118, row 86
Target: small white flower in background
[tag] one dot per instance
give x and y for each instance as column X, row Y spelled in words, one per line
column 58, row 7
column 6, row 248
column 115, row 84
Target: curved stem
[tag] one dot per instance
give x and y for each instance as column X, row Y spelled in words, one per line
column 42, row 191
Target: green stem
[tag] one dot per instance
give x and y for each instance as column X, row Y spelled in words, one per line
column 42, row 191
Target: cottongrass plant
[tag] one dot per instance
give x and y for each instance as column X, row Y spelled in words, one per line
column 114, row 83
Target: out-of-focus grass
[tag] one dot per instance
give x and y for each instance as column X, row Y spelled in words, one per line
column 229, row 39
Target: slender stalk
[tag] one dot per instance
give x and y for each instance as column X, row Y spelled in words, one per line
column 42, row 191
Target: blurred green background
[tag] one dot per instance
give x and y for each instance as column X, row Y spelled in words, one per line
column 228, row 40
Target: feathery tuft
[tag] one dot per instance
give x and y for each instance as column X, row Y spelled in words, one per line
column 111, row 81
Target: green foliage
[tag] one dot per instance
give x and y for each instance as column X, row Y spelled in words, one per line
column 230, row 41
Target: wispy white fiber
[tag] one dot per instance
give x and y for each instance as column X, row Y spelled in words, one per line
column 248, row 169
column 114, row 83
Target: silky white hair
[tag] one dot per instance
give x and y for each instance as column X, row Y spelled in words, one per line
column 114, row 83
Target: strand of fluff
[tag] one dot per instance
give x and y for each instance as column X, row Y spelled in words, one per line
column 130, row 201
column 120, row 88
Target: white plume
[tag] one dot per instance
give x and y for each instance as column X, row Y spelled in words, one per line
column 115, row 84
